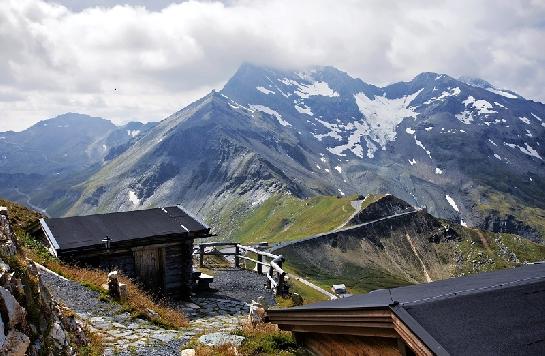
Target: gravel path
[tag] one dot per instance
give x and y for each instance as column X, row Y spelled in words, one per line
column 75, row 296
column 241, row 285
column 220, row 310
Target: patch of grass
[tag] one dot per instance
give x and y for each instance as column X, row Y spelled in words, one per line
column 261, row 339
column 286, row 218
column 309, row 295
column 359, row 279
column 266, row 339
column 94, row 347
column 492, row 202
column 20, row 217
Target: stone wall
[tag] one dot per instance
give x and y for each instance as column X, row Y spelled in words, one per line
column 31, row 323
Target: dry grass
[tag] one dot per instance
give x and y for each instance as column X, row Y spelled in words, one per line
column 94, row 347
column 224, row 350
column 261, row 339
column 138, row 302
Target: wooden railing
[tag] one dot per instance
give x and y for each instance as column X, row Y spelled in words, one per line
column 276, row 276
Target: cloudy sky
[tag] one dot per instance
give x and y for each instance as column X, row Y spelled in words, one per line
column 128, row 60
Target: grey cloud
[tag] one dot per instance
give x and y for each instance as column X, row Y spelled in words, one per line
column 69, row 55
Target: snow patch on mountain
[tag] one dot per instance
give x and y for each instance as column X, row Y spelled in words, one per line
column 338, row 169
column 334, row 131
column 502, row 93
column 314, row 89
column 524, row 119
column 412, row 162
column 269, row 111
column 451, row 92
column 421, row 145
column 361, row 130
column 438, row 170
column 537, row 117
column 452, row 202
column 383, row 114
column 482, row 107
column 528, row 150
column 133, row 133
column 265, row 90
column 500, row 105
column 304, row 109
column 133, row 198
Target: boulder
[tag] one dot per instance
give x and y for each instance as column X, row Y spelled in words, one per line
column 123, row 293
column 12, row 312
column 297, row 300
column 219, row 339
column 257, row 311
column 58, row 335
column 2, row 334
column 113, row 285
column 16, row 344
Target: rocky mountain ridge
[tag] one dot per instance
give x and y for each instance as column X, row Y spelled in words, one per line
column 403, row 249
column 465, row 151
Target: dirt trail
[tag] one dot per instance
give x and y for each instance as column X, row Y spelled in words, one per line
column 413, row 247
column 356, row 204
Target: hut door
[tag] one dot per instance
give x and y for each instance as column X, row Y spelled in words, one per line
column 149, row 268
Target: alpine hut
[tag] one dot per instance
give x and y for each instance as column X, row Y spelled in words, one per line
column 154, row 246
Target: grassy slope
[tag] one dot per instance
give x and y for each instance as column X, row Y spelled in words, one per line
column 286, row 218
column 489, row 201
column 478, row 251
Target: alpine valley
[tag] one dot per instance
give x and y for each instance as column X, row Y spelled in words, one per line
column 469, row 152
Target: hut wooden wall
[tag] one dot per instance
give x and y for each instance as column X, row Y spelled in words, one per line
column 348, row 345
column 178, row 269
column 162, row 268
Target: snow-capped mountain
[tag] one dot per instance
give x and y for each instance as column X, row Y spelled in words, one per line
column 462, row 148
column 433, row 141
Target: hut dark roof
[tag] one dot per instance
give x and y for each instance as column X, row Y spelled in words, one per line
column 84, row 231
column 491, row 313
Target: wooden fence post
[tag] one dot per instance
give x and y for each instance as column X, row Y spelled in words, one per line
column 280, row 286
column 259, row 265
column 270, row 274
column 201, row 255
column 237, row 252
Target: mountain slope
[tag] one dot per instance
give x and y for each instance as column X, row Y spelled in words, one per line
column 407, row 249
column 39, row 165
column 210, row 157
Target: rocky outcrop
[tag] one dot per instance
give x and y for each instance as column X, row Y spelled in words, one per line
column 511, row 225
column 386, row 206
column 31, row 322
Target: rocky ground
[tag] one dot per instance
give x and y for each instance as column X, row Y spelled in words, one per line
column 220, row 310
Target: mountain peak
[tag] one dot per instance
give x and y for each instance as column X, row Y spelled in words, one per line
column 475, row 82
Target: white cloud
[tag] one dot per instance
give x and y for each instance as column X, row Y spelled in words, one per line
column 54, row 59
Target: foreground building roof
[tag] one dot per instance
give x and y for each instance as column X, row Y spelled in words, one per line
column 501, row 312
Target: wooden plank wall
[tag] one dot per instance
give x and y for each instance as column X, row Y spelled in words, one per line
column 178, row 269
column 348, row 345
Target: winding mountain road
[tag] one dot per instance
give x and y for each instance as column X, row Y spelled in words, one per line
column 343, row 229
